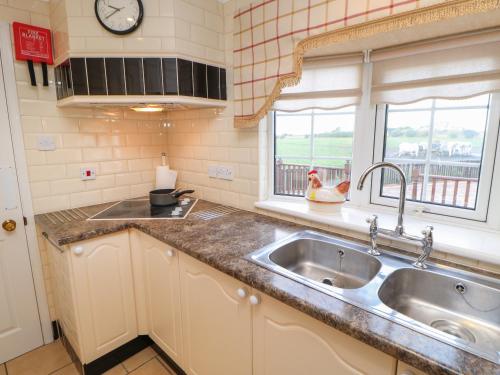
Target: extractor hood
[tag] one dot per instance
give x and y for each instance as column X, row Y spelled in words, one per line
column 169, row 82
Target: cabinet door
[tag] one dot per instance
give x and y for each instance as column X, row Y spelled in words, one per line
column 104, row 293
column 286, row 341
column 62, row 285
column 160, row 274
column 217, row 324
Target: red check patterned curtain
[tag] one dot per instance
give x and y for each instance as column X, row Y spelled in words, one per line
column 271, row 36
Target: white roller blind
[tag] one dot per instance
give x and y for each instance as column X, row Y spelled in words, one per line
column 457, row 67
column 326, row 83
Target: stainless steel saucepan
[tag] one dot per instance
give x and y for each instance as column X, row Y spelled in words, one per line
column 166, row 197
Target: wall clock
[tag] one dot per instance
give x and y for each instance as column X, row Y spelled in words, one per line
column 119, row 16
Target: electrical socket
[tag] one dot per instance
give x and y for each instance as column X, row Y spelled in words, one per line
column 221, row 172
column 225, row 173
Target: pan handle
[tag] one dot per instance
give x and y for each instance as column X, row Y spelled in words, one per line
column 177, row 194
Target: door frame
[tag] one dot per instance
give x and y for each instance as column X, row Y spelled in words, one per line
column 16, row 130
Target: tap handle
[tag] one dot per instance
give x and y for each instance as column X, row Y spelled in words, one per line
column 428, row 235
column 428, row 231
column 373, row 221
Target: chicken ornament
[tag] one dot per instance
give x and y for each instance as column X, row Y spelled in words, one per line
column 325, row 197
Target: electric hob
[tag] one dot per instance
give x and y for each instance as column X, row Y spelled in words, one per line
column 141, row 209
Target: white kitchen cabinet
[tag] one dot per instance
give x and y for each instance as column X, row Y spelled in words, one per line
column 156, row 274
column 217, row 321
column 64, row 297
column 286, row 341
column 405, row 369
column 104, row 293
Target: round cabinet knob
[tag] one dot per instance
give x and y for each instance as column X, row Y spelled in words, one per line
column 242, row 293
column 169, row 253
column 254, row 300
column 78, row 250
column 9, row 225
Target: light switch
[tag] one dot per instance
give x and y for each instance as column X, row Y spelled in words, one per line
column 46, row 143
column 87, row 174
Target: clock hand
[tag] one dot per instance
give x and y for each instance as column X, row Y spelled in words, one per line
column 112, row 13
column 115, row 8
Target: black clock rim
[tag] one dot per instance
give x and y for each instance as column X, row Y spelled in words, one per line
column 122, row 32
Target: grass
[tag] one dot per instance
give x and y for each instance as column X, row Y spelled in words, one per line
column 299, row 146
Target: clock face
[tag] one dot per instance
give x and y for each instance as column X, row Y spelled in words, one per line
column 119, row 16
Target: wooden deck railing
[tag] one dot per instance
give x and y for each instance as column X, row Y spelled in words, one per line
column 291, row 179
column 460, row 187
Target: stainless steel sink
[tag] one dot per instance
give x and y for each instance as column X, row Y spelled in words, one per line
column 327, row 263
column 457, row 307
column 466, row 310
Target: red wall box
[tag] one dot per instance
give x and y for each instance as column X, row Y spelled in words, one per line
column 32, row 43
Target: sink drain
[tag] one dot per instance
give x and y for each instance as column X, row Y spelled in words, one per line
column 454, row 329
column 328, row 281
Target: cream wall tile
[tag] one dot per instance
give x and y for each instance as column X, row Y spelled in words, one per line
column 140, row 164
column 60, row 125
column 40, row 189
column 46, row 172
column 85, row 198
column 97, row 154
column 115, row 166
column 35, row 157
column 141, row 189
column 79, row 140
column 64, row 156
column 101, row 182
column 126, row 152
column 52, row 203
column 114, row 194
column 129, row 178
column 142, row 44
column 66, row 186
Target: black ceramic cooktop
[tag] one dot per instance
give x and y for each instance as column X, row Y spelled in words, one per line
column 141, row 209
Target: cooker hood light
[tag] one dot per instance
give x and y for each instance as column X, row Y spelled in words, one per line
column 147, row 108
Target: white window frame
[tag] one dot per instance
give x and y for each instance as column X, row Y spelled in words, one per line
column 364, row 145
column 480, row 213
column 311, row 156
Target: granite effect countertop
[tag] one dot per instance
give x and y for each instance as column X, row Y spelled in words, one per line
column 223, row 242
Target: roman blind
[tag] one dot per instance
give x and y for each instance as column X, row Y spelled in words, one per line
column 453, row 67
column 326, row 83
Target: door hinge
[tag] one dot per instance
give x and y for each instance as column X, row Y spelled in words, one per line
column 25, row 220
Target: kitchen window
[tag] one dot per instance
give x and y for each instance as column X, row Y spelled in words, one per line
column 431, row 107
column 446, row 149
column 312, row 139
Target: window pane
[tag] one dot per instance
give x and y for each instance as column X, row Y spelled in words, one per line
column 330, row 150
column 407, row 134
column 449, row 173
column 292, row 134
column 333, row 135
column 458, row 134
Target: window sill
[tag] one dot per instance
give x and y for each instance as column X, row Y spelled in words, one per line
column 472, row 243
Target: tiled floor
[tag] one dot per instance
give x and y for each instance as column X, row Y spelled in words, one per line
column 54, row 360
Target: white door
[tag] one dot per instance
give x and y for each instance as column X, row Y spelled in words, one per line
column 20, row 329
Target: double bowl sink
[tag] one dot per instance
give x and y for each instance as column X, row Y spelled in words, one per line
column 453, row 306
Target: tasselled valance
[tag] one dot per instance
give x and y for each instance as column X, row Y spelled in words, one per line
column 271, row 37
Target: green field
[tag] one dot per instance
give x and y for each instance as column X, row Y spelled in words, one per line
column 299, row 146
